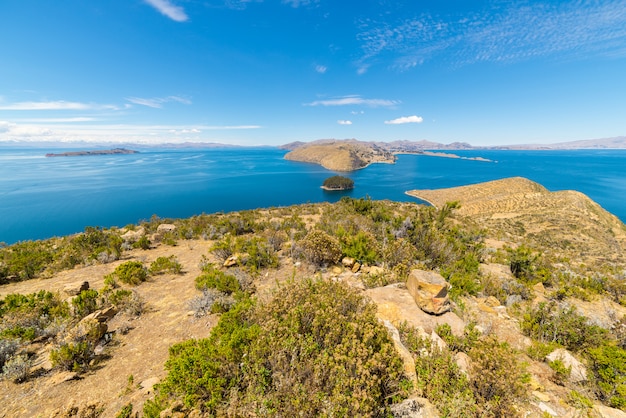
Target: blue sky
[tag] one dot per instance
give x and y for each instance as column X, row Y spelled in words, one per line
column 254, row 72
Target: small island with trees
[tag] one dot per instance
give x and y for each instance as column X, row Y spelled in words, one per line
column 338, row 183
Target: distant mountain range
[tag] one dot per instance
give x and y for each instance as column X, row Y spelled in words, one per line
column 618, row 142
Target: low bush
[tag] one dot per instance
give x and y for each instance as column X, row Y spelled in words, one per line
column 131, row 272
column 316, row 349
column 165, row 265
column 213, row 278
column 549, row 323
column 16, row 368
column 85, row 303
column 608, row 365
column 319, row 248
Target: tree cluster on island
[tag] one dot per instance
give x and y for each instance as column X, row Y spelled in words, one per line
column 338, row 183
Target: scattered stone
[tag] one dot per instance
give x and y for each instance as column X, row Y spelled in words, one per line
column 63, row 377
column 414, row 407
column 102, row 315
column 539, row 288
column 492, row 302
column 356, row 267
column 547, row 409
column 429, row 290
column 544, row 397
column 337, row 270
column 232, row 261
column 165, row 228
column 133, row 236
column 376, row 271
column 348, row 262
column 578, row 371
column 603, row 411
column 405, row 354
column 74, row 289
column 148, row 385
column 464, row 362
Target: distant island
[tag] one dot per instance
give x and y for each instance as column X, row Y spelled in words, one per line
column 338, row 183
column 351, row 154
column 96, row 152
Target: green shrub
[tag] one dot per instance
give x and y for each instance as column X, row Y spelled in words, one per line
column 143, row 243
column 131, row 272
column 126, row 411
column 165, row 265
column 549, row 323
column 213, row 278
column 316, row 349
column 362, row 247
column 320, row 248
column 608, row 365
column 499, row 378
column 561, row 372
column 72, row 356
column 127, row 301
column 85, row 303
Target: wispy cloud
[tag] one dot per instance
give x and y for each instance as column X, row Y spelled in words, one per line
column 114, row 133
column 298, row 3
column 516, row 33
column 157, row 102
column 344, row 122
column 354, row 101
column 405, row 119
column 321, row 69
column 166, row 8
column 53, row 105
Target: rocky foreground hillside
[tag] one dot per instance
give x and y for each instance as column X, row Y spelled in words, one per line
column 476, row 307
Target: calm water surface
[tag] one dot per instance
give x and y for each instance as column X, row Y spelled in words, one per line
column 43, row 197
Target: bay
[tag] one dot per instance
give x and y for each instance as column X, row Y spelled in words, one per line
column 43, row 197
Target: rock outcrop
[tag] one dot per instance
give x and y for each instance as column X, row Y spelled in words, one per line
column 429, row 290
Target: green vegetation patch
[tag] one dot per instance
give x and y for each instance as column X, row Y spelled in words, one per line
column 316, row 349
column 338, row 183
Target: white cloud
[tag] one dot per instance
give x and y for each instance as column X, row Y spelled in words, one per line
column 111, row 133
column 344, row 122
column 354, row 101
column 321, row 69
column 54, row 105
column 166, row 8
column 157, row 102
column 58, row 120
column 405, row 119
column 5, row 126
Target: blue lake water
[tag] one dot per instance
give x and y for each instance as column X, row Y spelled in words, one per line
column 43, row 197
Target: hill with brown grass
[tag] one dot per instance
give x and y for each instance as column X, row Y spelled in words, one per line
column 341, row 155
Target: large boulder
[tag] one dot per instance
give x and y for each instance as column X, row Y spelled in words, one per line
column 74, row 289
column 578, row 371
column 429, row 290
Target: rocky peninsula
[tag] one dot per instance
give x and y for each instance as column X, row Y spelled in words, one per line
column 341, row 155
column 113, row 151
column 351, row 154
